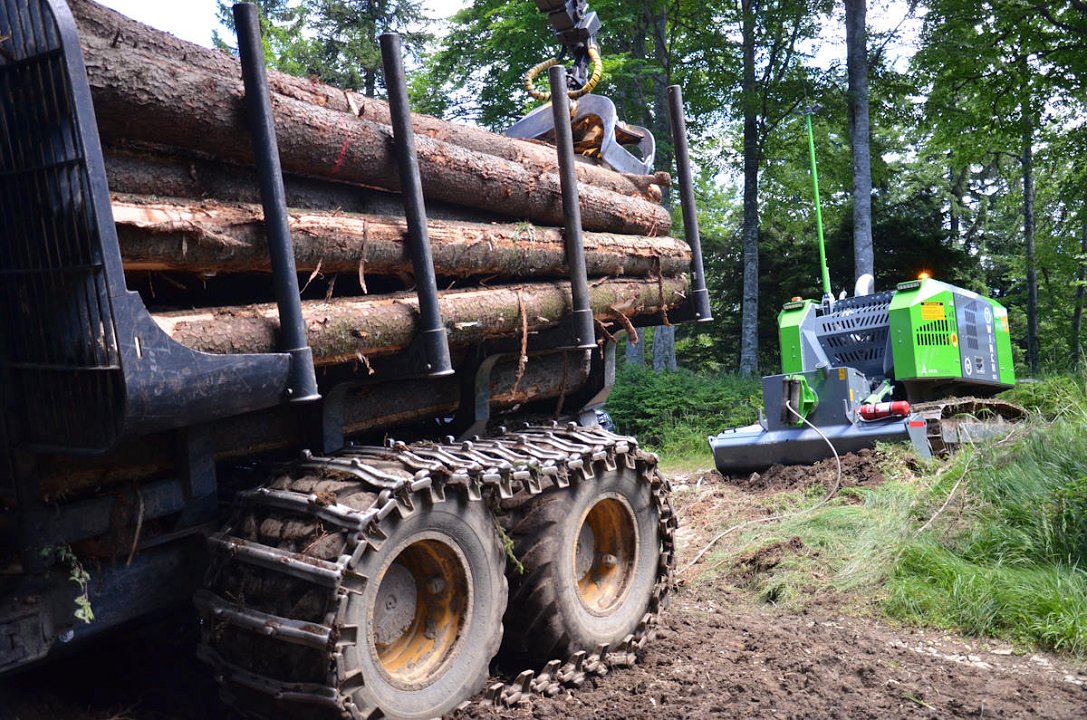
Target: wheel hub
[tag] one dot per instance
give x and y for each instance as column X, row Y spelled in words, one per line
column 421, row 607
column 605, row 555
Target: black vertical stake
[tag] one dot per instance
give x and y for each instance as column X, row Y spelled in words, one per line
column 302, row 381
column 433, row 334
column 584, row 330
column 700, row 296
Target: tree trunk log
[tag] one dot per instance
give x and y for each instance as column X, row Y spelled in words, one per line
column 215, row 237
column 144, row 98
column 125, row 33
column 346, row 330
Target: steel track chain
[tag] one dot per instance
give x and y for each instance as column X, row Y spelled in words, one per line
column 393, row 479
column 939, row 413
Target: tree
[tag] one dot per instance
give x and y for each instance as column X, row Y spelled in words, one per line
column 856, row 38
column 771, row 89
column 282, row 23
column 995, row 86
column 346, row 53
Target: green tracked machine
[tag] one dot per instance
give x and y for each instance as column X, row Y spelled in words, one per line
column 918, row 364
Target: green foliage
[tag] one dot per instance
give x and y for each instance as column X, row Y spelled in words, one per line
column 1052, row 396
column 675, row 411
column 335, row 41
column 63, row 555
column 282, row 24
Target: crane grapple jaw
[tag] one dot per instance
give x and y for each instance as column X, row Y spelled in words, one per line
column 598, row 132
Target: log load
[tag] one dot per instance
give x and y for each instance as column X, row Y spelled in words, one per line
column 179, row 160
column 126, row 34
column 215, row 237
column 346, row 330
column 143, row 97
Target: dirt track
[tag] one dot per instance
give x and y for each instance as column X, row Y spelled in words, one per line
column 718, row 655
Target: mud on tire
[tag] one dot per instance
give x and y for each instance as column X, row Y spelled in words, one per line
column 591, row 557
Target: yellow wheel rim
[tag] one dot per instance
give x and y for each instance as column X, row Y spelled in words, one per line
column 420, row 611
column 605, row 555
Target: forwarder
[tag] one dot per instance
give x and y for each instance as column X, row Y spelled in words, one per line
column 355, row 575
column 913, row 364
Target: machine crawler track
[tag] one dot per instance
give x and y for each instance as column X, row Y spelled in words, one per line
column 277, row 609
column 953, row 422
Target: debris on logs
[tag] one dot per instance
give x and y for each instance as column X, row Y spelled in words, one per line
column 346, row 329
column 215, row 237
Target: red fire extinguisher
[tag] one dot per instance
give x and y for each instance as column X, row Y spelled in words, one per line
column 879, row 411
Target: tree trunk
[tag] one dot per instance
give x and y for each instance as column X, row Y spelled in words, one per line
column 143, row 98
column 1081, row 295
column 664, row 348
column 957, row 179
column 664, row 337
column 348, row 329
column 1033, row 355
column 749, row 330
column 216, row 237
column 635, row 348
column 127, row 35
column 856, row 40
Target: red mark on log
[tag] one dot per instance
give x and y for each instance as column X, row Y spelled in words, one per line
column 343, row 155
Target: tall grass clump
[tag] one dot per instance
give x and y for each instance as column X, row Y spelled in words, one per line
column 674, row 412
column 1013, row 561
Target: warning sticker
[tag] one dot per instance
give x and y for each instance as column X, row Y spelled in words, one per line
column 933, row 311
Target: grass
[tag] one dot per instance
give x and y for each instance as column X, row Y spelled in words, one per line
column 992, row 542
column 1016, row 565
column 850, row 544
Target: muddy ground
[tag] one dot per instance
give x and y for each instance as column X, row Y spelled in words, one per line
column 719, row 652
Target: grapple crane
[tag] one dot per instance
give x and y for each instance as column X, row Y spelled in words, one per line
column 598, row 132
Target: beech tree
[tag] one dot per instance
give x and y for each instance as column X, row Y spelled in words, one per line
column 856, row 39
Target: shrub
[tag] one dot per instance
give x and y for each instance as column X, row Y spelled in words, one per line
column 681, row 408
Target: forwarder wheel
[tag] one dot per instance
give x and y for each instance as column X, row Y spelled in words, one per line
column 432, row 612
column 590, row 556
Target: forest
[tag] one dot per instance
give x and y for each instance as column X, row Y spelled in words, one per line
column 949, row 135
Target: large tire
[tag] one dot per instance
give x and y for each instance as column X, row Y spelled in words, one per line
column 412, row 624
column 590, row 559
column 448, row 555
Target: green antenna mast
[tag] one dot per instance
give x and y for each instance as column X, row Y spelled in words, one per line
column 808, row 112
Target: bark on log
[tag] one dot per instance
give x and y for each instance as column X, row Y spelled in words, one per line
column 95, row 20
column 215, row 237
column 170, row 173
column 348, row 329
column 142, row 97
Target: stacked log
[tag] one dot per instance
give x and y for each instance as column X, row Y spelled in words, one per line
column 171, row 116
